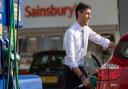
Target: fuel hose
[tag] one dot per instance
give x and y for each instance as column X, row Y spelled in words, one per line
column 12, row 46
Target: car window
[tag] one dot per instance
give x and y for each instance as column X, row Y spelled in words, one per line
column 40, row 59
column 50, row 59
column 55, row 59
column 44, row 59
column 122, row 50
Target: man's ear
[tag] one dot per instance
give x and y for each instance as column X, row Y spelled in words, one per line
column 79, row 13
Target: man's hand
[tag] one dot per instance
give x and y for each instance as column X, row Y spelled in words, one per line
column 87, row 83
column 112, row 45
column 84, row 80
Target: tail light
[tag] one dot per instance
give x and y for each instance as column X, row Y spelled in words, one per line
column 109, row 72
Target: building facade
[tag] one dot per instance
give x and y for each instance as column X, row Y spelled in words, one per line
column 46, row 21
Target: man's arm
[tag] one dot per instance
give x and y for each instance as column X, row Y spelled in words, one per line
column 82, row 77
column 77, row 71
column 96, row 38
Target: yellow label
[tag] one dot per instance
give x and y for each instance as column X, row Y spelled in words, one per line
column 50, row 79
column 0, row 30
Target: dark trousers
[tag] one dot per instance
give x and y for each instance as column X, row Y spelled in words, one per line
column 72, row 81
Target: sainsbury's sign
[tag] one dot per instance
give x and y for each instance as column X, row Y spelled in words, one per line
column 51, row 10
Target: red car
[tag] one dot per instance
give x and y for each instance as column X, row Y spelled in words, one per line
column 114, row 73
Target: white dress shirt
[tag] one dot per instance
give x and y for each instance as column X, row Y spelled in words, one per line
column 75, row 52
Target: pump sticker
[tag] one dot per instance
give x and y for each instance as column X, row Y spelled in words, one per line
column 0, row 30
column 15, row 11
column 1, row 7
column 0, row 16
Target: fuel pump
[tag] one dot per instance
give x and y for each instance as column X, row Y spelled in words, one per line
column 1, row 34
column 9, row 35
column 11, row 19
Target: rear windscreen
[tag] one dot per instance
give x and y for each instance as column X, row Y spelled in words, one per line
column 50, row 59
column 121, row 50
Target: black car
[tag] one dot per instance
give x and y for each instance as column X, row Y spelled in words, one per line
column 49, row 65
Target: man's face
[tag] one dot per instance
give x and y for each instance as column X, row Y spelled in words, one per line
column 85, row 16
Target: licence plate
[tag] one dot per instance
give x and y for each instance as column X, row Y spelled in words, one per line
column 49, row 79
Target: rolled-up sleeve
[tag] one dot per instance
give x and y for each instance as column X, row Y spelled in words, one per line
column 70, row 49
column 96, row 38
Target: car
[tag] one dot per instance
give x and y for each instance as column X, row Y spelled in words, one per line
column 114, row 73
column 49, row 65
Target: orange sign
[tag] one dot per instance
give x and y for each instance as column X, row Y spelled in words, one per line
column 52, row 10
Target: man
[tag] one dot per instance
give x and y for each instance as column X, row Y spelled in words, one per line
column 76, row 42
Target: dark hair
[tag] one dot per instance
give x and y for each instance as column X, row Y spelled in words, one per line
column 80, row 7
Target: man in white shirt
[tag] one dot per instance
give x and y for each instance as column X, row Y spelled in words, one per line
column 76, row 42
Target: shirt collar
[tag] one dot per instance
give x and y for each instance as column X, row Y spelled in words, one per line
column 77, row 26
